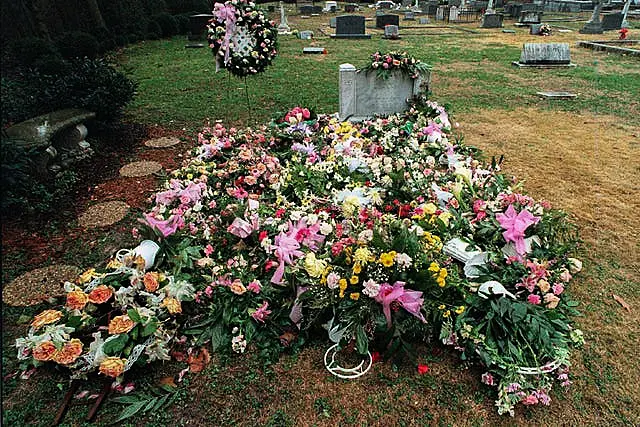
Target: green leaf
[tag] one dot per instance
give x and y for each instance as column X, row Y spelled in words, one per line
column 74, row 321
column 116, row 345
column 362, row 343
column 217, row 338
column 133, row 315
column 149, row 329
column 131, row 410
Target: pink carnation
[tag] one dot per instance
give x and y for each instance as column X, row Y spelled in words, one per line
column 534, row 299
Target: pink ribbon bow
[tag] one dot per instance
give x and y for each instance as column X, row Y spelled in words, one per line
column 226, row 13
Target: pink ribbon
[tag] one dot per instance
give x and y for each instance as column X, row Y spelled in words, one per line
column 226, row 13
column 515, row 225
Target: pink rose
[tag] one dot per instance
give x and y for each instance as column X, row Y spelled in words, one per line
column 534, row 299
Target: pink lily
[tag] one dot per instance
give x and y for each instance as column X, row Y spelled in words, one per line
column 515, row 225
column 260, row 315
column 408, row 299
column 287, row 249
column 168, row 226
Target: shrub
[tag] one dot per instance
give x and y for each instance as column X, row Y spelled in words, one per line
column 27, row 51
column 22, row 193
column 154, row 31
column 51, row 65
column 90, row 84
column 168, row 24
column 77, row 44
column 182, row 22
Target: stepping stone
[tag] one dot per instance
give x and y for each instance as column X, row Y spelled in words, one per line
column 163, row 142
column 39, row 285
column 138, row 169
column 103, row 214
column 557, row 95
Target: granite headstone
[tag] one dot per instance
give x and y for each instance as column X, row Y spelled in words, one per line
column 350, row 27
column 384, row 20
column 545, row 55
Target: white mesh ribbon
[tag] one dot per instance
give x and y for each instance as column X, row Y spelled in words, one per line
column 121, row 257
column 135, row 353
column 244, row 43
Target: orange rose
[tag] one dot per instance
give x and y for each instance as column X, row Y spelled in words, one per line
column 69, row 352
column 44, row 351
column 100, row 294
column 112, row 366
column 151, row 282
column 121, row 325
column 76, row 300
column 173, row 305
column 46, row 317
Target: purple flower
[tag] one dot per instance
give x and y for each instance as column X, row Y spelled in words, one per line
column 513, row 387
column 408, row 299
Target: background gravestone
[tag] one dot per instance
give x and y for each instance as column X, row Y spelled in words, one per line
column 391, row 32
column 543, row 55
column 409, row 16
column 306, row 10
column 350, row 27
column 612, row 21
column 332, row 22
column 198, row 25
column 384, row 20
column 528, row 17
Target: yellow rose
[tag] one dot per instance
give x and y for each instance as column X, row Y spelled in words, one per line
column 314, row 266
column 76, row 300
column 363, row 255
column 112, row 366
column 45, row 318
column 121, row 324
column 354, row 296
column 173, row 305
column 429, row 208
column 544, row 285
column 433, row 267
column 353, row 280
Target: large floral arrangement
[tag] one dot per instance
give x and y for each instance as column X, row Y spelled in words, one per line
column 243, row 40
column 379, row 235
column 113, row 318
column 385, row 63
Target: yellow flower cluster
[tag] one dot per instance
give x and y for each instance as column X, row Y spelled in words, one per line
column 342, row 283
column 439, row 273
column 433, row 242
column 387, row 258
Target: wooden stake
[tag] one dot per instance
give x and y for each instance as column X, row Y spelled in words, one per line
column 66, row 402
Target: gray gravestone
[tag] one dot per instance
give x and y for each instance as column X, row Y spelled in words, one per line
column 363, row 95
column 305, row 35
column 314, row 50
column 391, row 32
column 594, row 25
column 612, row 21
column 283, row 27
column 492, row 20
column 306, row 10
column 534, row 29
column 423, row 21
column 528, row 17
column 543, row 55
column 350, row 27
column 384, row 20
column 350, row 8
column 440, row 13
column 332, row 22
column 386, row 5
column 453, row 14
column 409, row 16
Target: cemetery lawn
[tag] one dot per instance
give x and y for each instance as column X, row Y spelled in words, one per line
column 580, row 154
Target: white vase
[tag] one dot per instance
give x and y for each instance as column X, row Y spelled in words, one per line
column 147, row 249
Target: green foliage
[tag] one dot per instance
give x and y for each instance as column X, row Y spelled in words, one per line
column 147, row 401
column 91, row 84
column 78, row 44
column 21, row 191
column 29, row 50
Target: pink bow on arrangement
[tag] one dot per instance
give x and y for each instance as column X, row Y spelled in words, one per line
column 408, row 299
column 226, row 13
column 515, row 225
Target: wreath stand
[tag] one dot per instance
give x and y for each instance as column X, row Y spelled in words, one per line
column 67, row 402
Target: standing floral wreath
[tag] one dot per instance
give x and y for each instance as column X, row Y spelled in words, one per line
column 243, row 40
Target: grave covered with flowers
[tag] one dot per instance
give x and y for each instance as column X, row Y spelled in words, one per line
column 387, row 235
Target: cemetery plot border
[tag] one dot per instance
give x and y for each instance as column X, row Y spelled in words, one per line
column 609, row 46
